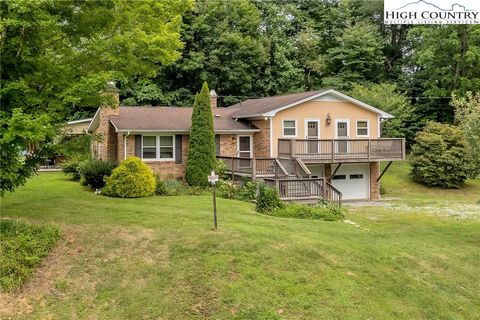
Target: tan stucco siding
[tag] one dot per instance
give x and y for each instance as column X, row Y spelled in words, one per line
column 319, row 110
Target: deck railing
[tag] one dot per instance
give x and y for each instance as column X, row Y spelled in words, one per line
column 254, row 167
column 342, row 150
column 306, row 189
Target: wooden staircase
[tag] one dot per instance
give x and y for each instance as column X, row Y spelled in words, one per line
column 290, row 176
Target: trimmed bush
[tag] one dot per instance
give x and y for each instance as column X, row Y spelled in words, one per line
column 22, row 248
column 326, row 212
column 268, row 200
column 201, row 151
column 131, row 179
column 94, row 172
column 439, row 156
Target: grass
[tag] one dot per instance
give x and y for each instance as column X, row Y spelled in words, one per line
column 22, row 247
column 158, row 258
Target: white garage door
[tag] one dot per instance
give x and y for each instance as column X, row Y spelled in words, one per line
column 353, row 181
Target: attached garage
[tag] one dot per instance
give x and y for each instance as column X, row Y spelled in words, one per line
column 353, row 180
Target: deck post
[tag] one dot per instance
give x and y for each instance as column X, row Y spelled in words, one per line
column 254, row 169
column 368, row 144
column 333, row 149
column 292, row 148
column 324, row 188
column 233, row 168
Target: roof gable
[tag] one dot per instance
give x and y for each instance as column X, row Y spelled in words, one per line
column 269, row 107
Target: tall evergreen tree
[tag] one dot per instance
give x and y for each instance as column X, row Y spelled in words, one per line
column 201, row 153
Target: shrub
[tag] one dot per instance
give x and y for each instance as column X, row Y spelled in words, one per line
column 439, row 156
column 319, row 212
column 94, row 172
column 173, row 187
column 221, row 169
column 131, row 179
column 22, row 248
column 201, row 152
column 268, row 200
column 234, row 190
column 160, row 188
column 382, row 190
column 72, row 166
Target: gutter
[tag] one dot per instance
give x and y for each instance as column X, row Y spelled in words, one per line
column 125, row 145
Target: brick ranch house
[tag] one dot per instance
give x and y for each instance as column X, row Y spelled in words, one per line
column 312, row 144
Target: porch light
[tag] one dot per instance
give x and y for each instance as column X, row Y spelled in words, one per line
column 328, row 120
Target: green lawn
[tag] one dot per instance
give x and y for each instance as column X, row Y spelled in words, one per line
column 158, row 258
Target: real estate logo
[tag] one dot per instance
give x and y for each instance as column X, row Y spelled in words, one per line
column 431, row 12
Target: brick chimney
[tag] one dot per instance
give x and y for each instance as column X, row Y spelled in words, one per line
column 213, row 99
column 106, row 149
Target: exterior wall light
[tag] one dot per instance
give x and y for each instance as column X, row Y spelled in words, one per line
column 328, row 120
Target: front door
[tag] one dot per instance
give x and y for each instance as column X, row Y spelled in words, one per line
column 312, row 132
column 342, row 133
column 244, row 150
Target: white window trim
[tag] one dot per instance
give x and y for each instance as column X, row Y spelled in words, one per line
column 157, row 147
column 251, row 144
column 283, row 128
column 368, row 128
column 348, row 127
column 305, row 126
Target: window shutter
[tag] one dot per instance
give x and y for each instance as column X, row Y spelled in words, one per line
column 138, row 145
column 178, row 148
column 217, row 144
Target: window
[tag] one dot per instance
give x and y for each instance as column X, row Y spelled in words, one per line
column 362, row 128
column 166, row 147
column 149, row 149
column 289, row 128
column 356, row 176
column 158, row 147
column 339, row 177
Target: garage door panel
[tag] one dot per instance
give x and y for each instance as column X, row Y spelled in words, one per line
column 353, row 181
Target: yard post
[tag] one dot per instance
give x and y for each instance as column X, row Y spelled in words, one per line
column 214, row 207
column 213, row 178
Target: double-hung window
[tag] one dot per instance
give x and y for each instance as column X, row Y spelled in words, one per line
column 289, row 128
column 362, row 128
column 158, row 147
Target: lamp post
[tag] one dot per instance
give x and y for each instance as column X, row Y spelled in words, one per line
column 213, row 178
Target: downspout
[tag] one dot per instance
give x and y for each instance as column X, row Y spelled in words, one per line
column 271, row 137
column 125, row 145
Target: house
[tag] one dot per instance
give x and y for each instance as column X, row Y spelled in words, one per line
column 313, row 144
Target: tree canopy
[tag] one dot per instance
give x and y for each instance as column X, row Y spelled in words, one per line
column 57, row 56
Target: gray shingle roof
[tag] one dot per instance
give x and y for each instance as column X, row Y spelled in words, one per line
column 173, row 119
column 260, row 106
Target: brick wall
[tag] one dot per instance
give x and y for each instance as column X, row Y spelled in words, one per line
column 166, row 169
column 228, row 145
column 374, row 185
column 261, row 140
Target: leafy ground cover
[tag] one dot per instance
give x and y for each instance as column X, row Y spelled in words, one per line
column 22, row 246
column 158, row 257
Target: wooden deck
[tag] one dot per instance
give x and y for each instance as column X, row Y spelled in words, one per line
column 342, row 150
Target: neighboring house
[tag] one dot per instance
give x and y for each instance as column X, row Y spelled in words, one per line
column 76, row 127
column 306, row 144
